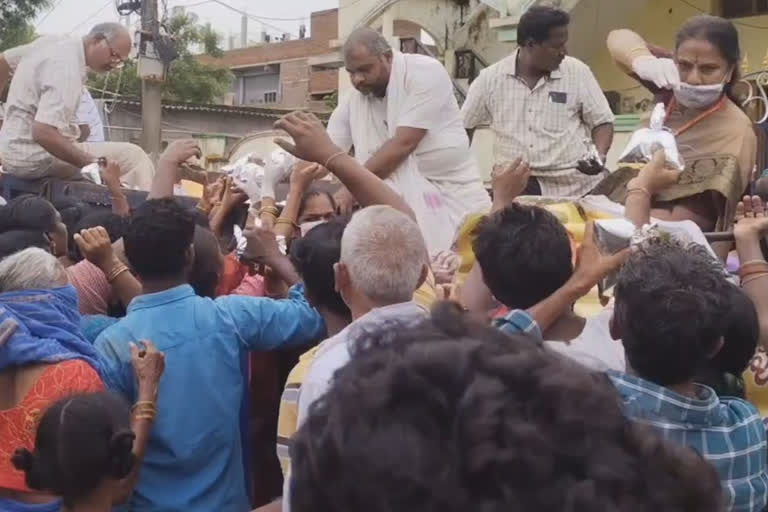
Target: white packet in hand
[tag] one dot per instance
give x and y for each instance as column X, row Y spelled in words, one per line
column 646, row 141
column 92, row 172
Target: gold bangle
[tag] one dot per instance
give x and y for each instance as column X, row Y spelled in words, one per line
column 752, row 268
column 753, row 277
column 639, row 189
column 268, row 209
column 115, row 272
column 752, row 262
column 283, row 220
column 333, row 157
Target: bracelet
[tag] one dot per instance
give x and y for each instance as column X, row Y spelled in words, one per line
column 283, row 220
column 273, row 211
column 752, row 268
column 639, row 189
column 148, row 417
column 332, row 157
column 750, row 262
column 116, row 272
column 143, row 405
column 754, row 277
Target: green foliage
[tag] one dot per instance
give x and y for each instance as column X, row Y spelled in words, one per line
column 332, row 100
column 188, row 80
column 18, row 35
column 15, row 14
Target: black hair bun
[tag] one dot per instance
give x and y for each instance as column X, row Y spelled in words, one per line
column 22, row 459
column 121, row 453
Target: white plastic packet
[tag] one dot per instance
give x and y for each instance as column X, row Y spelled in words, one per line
column 247, row 175
column 92, row 172
column 646, row 141
column 277, row 169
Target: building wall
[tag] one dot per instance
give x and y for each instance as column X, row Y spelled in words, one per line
column 296, row 85
column 251, row 87
column 124, row 125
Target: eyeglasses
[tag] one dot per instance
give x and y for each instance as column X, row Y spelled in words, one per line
column 112, row 53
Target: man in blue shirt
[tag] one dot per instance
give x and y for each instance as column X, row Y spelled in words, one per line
column 193, row 460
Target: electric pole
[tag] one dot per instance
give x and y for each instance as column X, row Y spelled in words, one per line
column 152, row 73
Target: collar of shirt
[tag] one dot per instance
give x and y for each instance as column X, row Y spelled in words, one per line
column 152, row 300
column 509, row 66
column 81, row 60
column 403, row 311
column 639, row 393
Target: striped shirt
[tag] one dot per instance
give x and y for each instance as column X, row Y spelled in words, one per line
column 46, row 88
column 727, row 432
column 548, row 125
column 288, row 419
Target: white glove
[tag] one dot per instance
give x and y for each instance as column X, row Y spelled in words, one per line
column 662, row 72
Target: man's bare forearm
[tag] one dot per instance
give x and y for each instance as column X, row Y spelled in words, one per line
column 602, row 137
column 389, row 157
column 59, row 146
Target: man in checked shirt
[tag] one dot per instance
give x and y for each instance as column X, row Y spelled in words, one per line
column 544, row 107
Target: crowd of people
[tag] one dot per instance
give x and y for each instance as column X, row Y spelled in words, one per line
column 363, row 349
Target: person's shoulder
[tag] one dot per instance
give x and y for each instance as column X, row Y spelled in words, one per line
column 740, row 412
column 574, row 65
column 737, row 117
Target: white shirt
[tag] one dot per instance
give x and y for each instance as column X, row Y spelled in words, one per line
column 594, row 348
column 443, row 154
column 88, row 113
column 47, row 88
column 334, row 353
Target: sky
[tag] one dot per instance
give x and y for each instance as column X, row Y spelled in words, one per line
column 77, row 16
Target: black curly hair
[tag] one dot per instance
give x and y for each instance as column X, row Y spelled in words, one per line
column 450, row 416
column 81, row 441
column 158, row 238
column 114, row 224
column 524, row 254
column 672, row 310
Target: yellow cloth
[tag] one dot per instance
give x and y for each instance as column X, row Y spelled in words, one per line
column 756, row 382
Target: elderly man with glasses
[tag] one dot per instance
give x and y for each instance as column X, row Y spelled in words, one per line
column 39, row 135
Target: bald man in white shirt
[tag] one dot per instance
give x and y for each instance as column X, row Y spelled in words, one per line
column 40, row 132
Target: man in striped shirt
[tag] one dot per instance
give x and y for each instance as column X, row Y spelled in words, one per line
column 544, row 107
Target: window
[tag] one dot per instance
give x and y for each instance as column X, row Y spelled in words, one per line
column 743, row 8
column 270, row 97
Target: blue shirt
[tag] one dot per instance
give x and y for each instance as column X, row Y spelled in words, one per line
column 727, row 432
column 193, row 460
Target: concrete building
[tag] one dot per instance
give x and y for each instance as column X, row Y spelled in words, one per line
column 277, row 73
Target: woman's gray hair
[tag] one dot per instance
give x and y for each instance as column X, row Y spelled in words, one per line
column 30, row 269
column 385, row 254
column 108, row 31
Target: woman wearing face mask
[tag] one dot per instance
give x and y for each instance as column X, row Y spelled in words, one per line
column 306, row 207
column 695, row 82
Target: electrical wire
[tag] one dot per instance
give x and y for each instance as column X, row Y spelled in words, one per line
column 95, row 13
column 45, row 16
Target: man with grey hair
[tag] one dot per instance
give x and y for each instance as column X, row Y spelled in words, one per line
column 31, row 269
column 383, row 261
column 404, row 123
column 40, row 132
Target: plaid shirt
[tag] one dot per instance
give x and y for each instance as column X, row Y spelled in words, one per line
column 516, row 321
column 727, row 432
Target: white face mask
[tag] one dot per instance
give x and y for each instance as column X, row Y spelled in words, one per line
column 305, row 227
column 698, row 96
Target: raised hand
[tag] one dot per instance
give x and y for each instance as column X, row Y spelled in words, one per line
column 96, row 247
column 180, row 151
column 751, row 217
column 656, row 178
column 509, row 180
column 310, row 139
column 591, row 264
column 148, row 364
